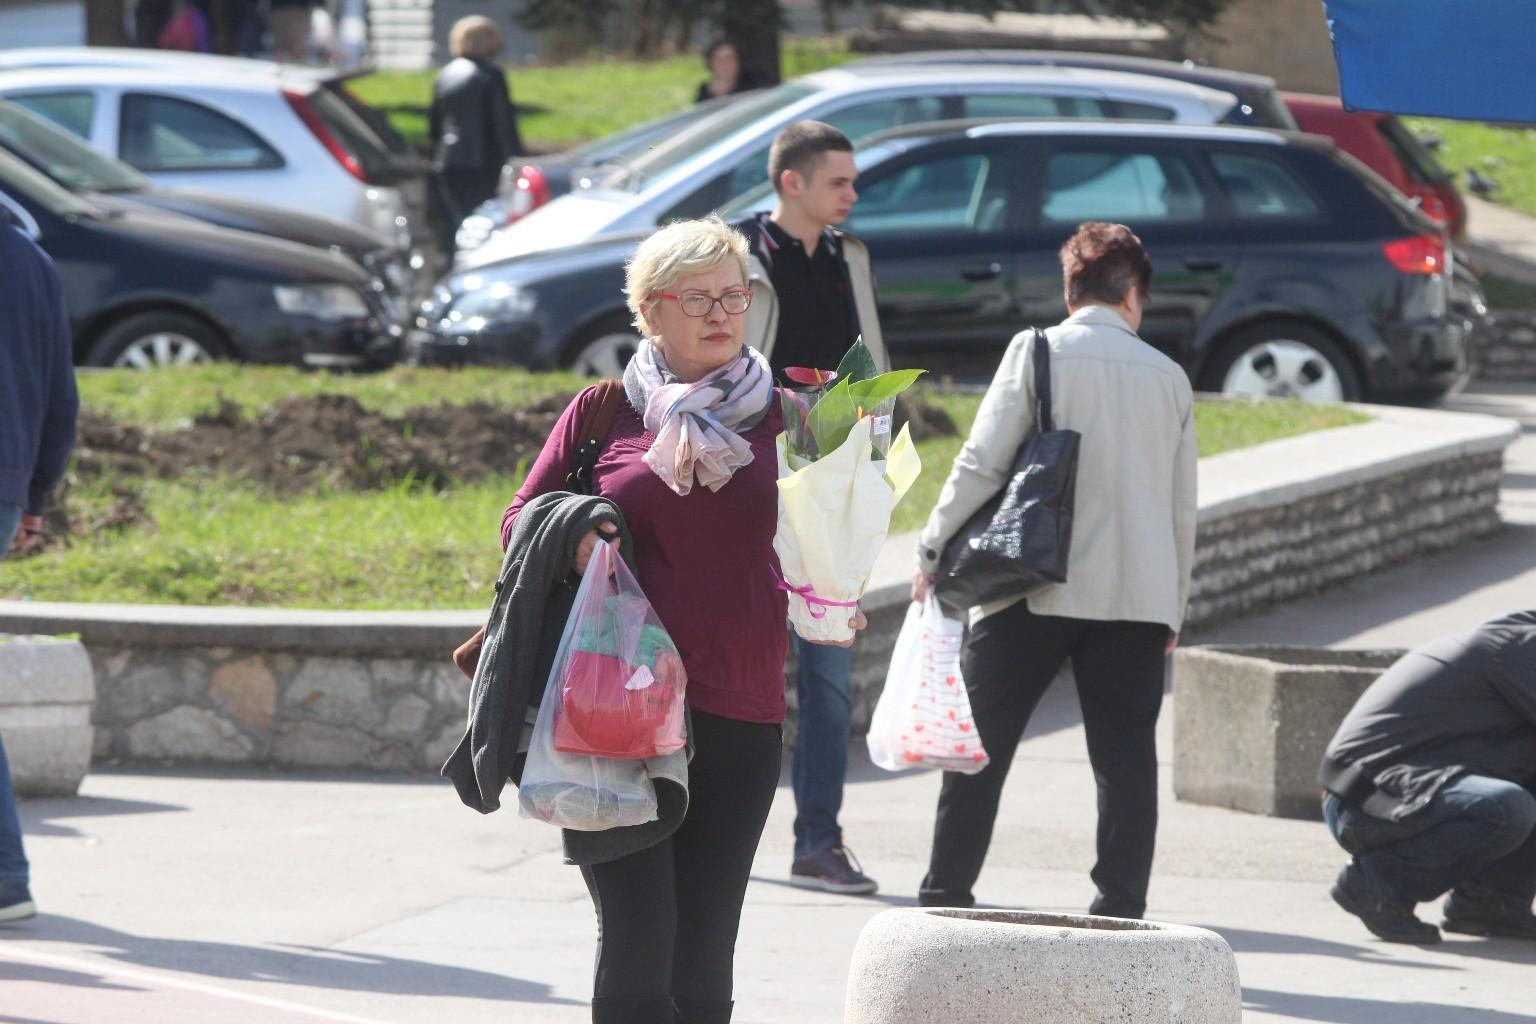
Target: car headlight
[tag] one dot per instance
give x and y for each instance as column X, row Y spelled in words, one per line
column 489, row 300
column 321, row 301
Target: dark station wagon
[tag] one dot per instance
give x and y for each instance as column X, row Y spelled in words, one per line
column 1282, row 267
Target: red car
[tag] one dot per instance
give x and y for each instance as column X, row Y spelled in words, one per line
column 1386, row 146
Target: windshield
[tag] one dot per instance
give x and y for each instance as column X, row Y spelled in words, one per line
column 635, row 174
column 1416, row 157
column 19, row 179
column 353, row 133
column 631, row 141
column 62, row 156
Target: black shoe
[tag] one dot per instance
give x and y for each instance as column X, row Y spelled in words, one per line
column 1387, row 919
column 830, row 869
column 648, row 1009
column 1489, row 913
column 948, row 900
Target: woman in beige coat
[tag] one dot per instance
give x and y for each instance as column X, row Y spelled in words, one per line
column 1118, row 615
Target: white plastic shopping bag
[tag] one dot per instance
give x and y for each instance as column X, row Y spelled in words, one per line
column 923, row 718
column 586, row 792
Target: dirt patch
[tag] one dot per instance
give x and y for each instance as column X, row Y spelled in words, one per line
column 325, row 442
column 925, row 420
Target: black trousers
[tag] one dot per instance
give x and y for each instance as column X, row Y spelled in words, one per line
column 453, row 195
column 667, row 916
column 1009, row 661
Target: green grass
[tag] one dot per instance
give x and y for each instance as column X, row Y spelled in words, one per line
column 1507, row 155
column 1226, row 425
column 563, row 105
column 1506, row 293
column 215, row 541
column 167, row 399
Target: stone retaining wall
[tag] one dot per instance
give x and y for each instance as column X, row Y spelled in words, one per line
column 1270, row 555
column 1507, row 339
column 343, row 709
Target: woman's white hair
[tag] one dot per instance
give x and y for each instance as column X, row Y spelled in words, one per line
column 675, row 252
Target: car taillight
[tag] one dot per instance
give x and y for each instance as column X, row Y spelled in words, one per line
column 1421, row 254
column 529, row 192
column 327, row 138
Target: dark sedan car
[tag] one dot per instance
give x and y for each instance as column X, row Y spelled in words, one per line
column 145, row 289
column 1281, row 266
column 113, row 185
column 1259, row 103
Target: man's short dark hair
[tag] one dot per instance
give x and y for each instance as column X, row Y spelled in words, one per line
column 801, row 146
column 1102, row 262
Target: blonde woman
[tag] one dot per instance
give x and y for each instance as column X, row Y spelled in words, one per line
column 472, row 126
column 690, row 463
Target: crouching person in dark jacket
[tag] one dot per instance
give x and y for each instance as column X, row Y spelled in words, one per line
column 1428, row 782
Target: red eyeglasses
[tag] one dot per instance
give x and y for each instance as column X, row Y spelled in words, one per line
column 734, row 302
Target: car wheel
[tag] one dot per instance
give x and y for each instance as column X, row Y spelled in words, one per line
column 1283, row 360
column 149, row 341
column 607, row 354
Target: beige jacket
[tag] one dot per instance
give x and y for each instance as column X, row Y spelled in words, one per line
column 763, row 315
column 1133, row 533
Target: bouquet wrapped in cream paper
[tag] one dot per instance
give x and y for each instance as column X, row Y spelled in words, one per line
column 840, row 476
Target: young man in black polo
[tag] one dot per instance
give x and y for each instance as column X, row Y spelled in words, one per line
column 812, row 296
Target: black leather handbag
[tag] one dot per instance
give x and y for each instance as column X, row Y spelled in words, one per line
column 1018, row 543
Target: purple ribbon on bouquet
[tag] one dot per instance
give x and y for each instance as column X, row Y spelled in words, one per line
column 811, row 598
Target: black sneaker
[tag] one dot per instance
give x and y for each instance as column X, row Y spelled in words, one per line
column 831, row 871
column 16, row 902
column 1387, row 919
column 1488, row 913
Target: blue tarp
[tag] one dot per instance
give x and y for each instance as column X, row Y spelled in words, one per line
column 1472, row 59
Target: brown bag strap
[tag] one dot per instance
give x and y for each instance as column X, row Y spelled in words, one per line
column 594, row 431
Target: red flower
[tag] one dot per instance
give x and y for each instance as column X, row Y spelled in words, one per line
column 809, row 376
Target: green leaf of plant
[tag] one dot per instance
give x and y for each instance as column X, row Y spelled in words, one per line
column 867, row 393
column 857, row 363
column 833, row 416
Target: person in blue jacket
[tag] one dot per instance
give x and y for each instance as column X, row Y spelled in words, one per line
column 38, row 404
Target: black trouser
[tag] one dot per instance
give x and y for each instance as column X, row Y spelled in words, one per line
column 454, row 196
column 667, row 916
column 1010, row 659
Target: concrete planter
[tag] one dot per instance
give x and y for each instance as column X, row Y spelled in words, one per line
column 1250, row 723
column 1008, row 967
column 46, row 693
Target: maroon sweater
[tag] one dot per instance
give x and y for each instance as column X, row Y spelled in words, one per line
column 706, row 561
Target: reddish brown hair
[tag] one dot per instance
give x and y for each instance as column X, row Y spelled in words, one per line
column 1102, row 262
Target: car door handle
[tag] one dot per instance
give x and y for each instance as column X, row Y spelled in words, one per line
column 1203, row 264
column 981, row 272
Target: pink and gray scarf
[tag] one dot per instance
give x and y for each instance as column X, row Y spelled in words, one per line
column 698, row 425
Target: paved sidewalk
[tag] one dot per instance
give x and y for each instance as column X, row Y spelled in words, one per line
column 1501, row 239
column 174, row 899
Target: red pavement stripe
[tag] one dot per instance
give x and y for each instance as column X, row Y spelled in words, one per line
column 49, row 989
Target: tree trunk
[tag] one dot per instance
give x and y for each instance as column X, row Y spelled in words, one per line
column 829, row 22
column 104, row 23
column 753, row 25
column 645, row 29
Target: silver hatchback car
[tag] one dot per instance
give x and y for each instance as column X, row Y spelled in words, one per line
column 719, row 157
column 269, row 136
